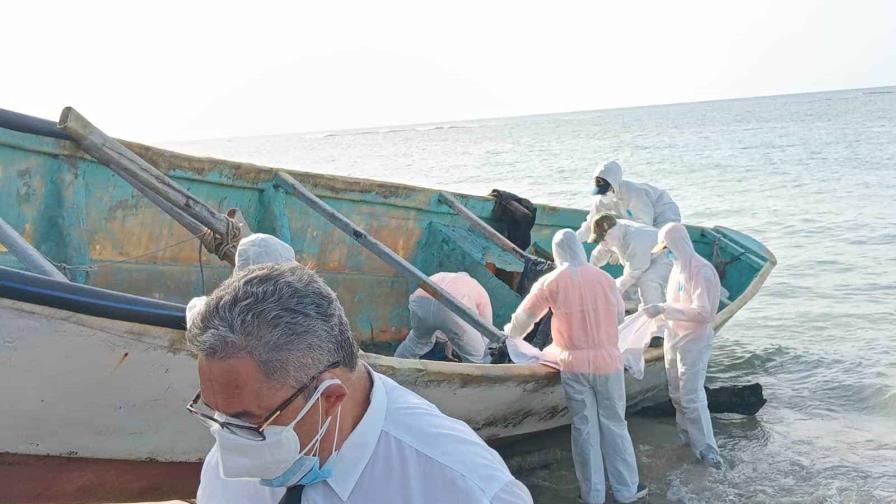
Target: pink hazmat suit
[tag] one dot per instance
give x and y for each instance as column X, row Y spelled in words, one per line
column 587, row 307
column 430, row 319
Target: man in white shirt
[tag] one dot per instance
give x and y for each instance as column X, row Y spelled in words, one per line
column 298, row 418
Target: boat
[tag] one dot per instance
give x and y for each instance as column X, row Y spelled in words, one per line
column 95, row 373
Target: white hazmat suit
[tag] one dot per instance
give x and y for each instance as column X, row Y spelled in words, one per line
column 255, row 249
column 692, row 300
column 430, row 319
column 635, row 201
column 632, row 243
column 587, row 308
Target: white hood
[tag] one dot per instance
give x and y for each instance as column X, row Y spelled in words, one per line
column 567, row 249
column 611, row 171
column 261, row 248
column 676, row 238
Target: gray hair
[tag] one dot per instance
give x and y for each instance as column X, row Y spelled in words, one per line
column 283, row 316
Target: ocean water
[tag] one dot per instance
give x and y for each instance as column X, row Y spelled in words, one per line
column 811, row 176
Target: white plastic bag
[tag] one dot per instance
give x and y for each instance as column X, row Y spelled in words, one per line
column 521, row 352
column 634, row 336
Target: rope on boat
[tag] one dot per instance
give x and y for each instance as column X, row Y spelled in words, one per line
column 219, row 245
column 722, row 266
column 94, row 267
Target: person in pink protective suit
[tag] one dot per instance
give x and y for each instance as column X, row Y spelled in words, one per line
column 692, row 299
column 587, row 307
column 430, row 319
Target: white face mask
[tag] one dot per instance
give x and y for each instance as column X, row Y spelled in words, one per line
column 279, row 459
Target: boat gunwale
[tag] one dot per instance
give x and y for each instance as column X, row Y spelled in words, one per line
column 259, row 176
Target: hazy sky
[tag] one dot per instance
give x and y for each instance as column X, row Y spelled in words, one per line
column 189, row 70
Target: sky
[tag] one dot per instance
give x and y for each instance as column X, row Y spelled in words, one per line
column 167, row 71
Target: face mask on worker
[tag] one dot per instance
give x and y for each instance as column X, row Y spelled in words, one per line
column 279, row 460
column 601, row 188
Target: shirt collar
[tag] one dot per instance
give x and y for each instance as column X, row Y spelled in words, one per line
column 358, row 447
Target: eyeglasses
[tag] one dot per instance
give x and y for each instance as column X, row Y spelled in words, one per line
column 245, row 430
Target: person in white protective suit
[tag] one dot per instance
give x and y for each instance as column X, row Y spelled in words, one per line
column 587, row 307
column 430, row 319
column 632, row 243
column 625, row 199
column 257, row 248
column 692, row 299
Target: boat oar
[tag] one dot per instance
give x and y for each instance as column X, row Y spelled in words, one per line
column 389, row 257
column 190, row 212
column 480, row 225
column 30, row 257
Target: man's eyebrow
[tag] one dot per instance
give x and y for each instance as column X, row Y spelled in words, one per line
column 243, row 415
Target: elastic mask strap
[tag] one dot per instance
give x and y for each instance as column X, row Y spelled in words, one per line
column 314, row 397
column 314, row 445
column 336, row 434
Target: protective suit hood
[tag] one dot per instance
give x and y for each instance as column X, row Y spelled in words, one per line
column 611, row 171
column 676, row 238
column 262, row 248
column 567, row 249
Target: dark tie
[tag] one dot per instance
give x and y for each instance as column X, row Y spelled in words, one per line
column 293, row 495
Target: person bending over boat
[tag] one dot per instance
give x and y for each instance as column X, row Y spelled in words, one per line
column 692, row 299
column 587, row 307
column 635, row 201
column 643, row 270
column 430, row 320
column 297, row 417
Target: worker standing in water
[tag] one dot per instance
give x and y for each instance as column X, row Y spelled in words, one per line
column 692, row 299
column 636, row 201
column 587, row 309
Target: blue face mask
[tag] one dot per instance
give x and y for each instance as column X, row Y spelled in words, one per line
column 307, row 465
column 306, row 470
column 600, row 188
column 670, row 255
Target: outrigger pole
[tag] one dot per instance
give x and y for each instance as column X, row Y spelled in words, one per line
column 191, row 213
column 390, row 257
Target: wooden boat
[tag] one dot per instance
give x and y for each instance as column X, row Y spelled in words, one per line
column 94, row 374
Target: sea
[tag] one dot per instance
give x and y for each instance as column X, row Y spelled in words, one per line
column 812, row 176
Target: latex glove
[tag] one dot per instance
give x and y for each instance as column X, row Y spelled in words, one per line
column 654, row 310
column 614, row 259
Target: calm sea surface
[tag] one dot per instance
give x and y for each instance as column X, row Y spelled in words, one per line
column 812, row 176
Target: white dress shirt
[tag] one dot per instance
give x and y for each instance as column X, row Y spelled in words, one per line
column 404, row 450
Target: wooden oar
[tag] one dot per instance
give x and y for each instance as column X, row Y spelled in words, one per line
column 26, row 254
column 480, row 225
column 390, row 257
column 174, row 200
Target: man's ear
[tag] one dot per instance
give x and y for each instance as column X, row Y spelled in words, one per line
column 332, row 397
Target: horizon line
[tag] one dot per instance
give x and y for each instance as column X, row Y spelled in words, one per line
column 521, row 116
